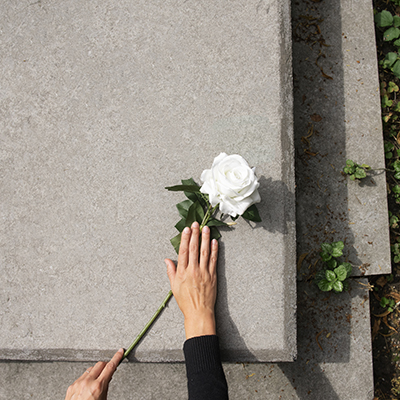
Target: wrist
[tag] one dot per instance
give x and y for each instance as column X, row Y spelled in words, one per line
column 200, row 324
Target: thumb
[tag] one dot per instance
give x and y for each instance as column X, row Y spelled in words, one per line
column 171, row 270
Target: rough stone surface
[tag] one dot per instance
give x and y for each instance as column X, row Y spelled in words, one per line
column 104, row 103
column 340, row 369
column 337, row 117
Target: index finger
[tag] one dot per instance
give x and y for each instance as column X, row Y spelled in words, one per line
column 111, row 367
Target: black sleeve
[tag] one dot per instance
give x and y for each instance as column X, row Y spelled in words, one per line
column 206, row 378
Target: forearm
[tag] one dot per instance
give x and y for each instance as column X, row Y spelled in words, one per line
column 206, row 378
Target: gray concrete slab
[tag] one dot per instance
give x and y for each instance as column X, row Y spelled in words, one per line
column 337, row 117
column 340, row 369
column 104, row 103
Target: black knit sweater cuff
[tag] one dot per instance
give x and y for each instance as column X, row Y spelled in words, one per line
column 202, row 354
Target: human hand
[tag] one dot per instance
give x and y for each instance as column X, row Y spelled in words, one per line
column 93, row 384
column 194, row 280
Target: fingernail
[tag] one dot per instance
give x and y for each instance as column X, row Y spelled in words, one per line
column 186, row 230
column 121, row 350
column 195, row 224
column 214, row 242
column 206, row 229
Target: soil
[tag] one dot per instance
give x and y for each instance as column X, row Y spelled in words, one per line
column 385, row 325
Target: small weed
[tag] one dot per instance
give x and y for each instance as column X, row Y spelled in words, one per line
column 396, row 193
column 393, row 220
column 395, row 249
column 356, row 171
column 389, row 303
column 391, row 23
column 389, row 147
column 334, row 275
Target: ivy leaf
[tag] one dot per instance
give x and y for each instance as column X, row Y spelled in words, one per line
column 326, row 248
column 252, row 214
column 396, row 21
column 336, row 252
column 325, row 285
column 338, row 286
column 396, row 68
column 325, row 256
column 321, row 274
column 384, row 18
column 360, row 173
column 391, row 33
column 349, row 268
column 332, row 263
column 389, row 60
column 330, row 275
column 341, row 273
column 396, row 165
column 338, row 245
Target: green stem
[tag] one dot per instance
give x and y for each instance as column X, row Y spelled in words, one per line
column 148, row 325
column 209, row 213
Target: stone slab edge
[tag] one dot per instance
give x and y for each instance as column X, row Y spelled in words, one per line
column 340, row 369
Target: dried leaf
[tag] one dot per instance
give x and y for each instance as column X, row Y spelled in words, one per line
column 316, row 339
column 384, row 319
column 316, row 117
column 395, row 295
column 382, row 281
column 387, row 312
column 375, row 328
column 301, row 259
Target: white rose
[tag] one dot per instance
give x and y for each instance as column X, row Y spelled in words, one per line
column 231, row 183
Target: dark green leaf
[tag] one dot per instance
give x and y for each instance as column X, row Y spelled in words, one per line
column 349, row 268
column 396, row 68
column 183, row 207
column 214, row 233
column 336, row 252
column 326, row 248
column 396, row 165
column 389, row 60
column 325, row 256
column 397, row 43
column 216, row 222
column 396, row 21
column 195, row 213
column 341, row 272
column 320, row 275
column 345, row 285
column 332, row 263
column 176, row 241
column 338, row 286
column 194, row 196
column 325, row 285
column 391, row 33
column 360, row 173
column 397, row 175
column 184, row 188
column 383, row 19
column 252, row 214
column 338, row 245
column 181, row 225
column 330, row 275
